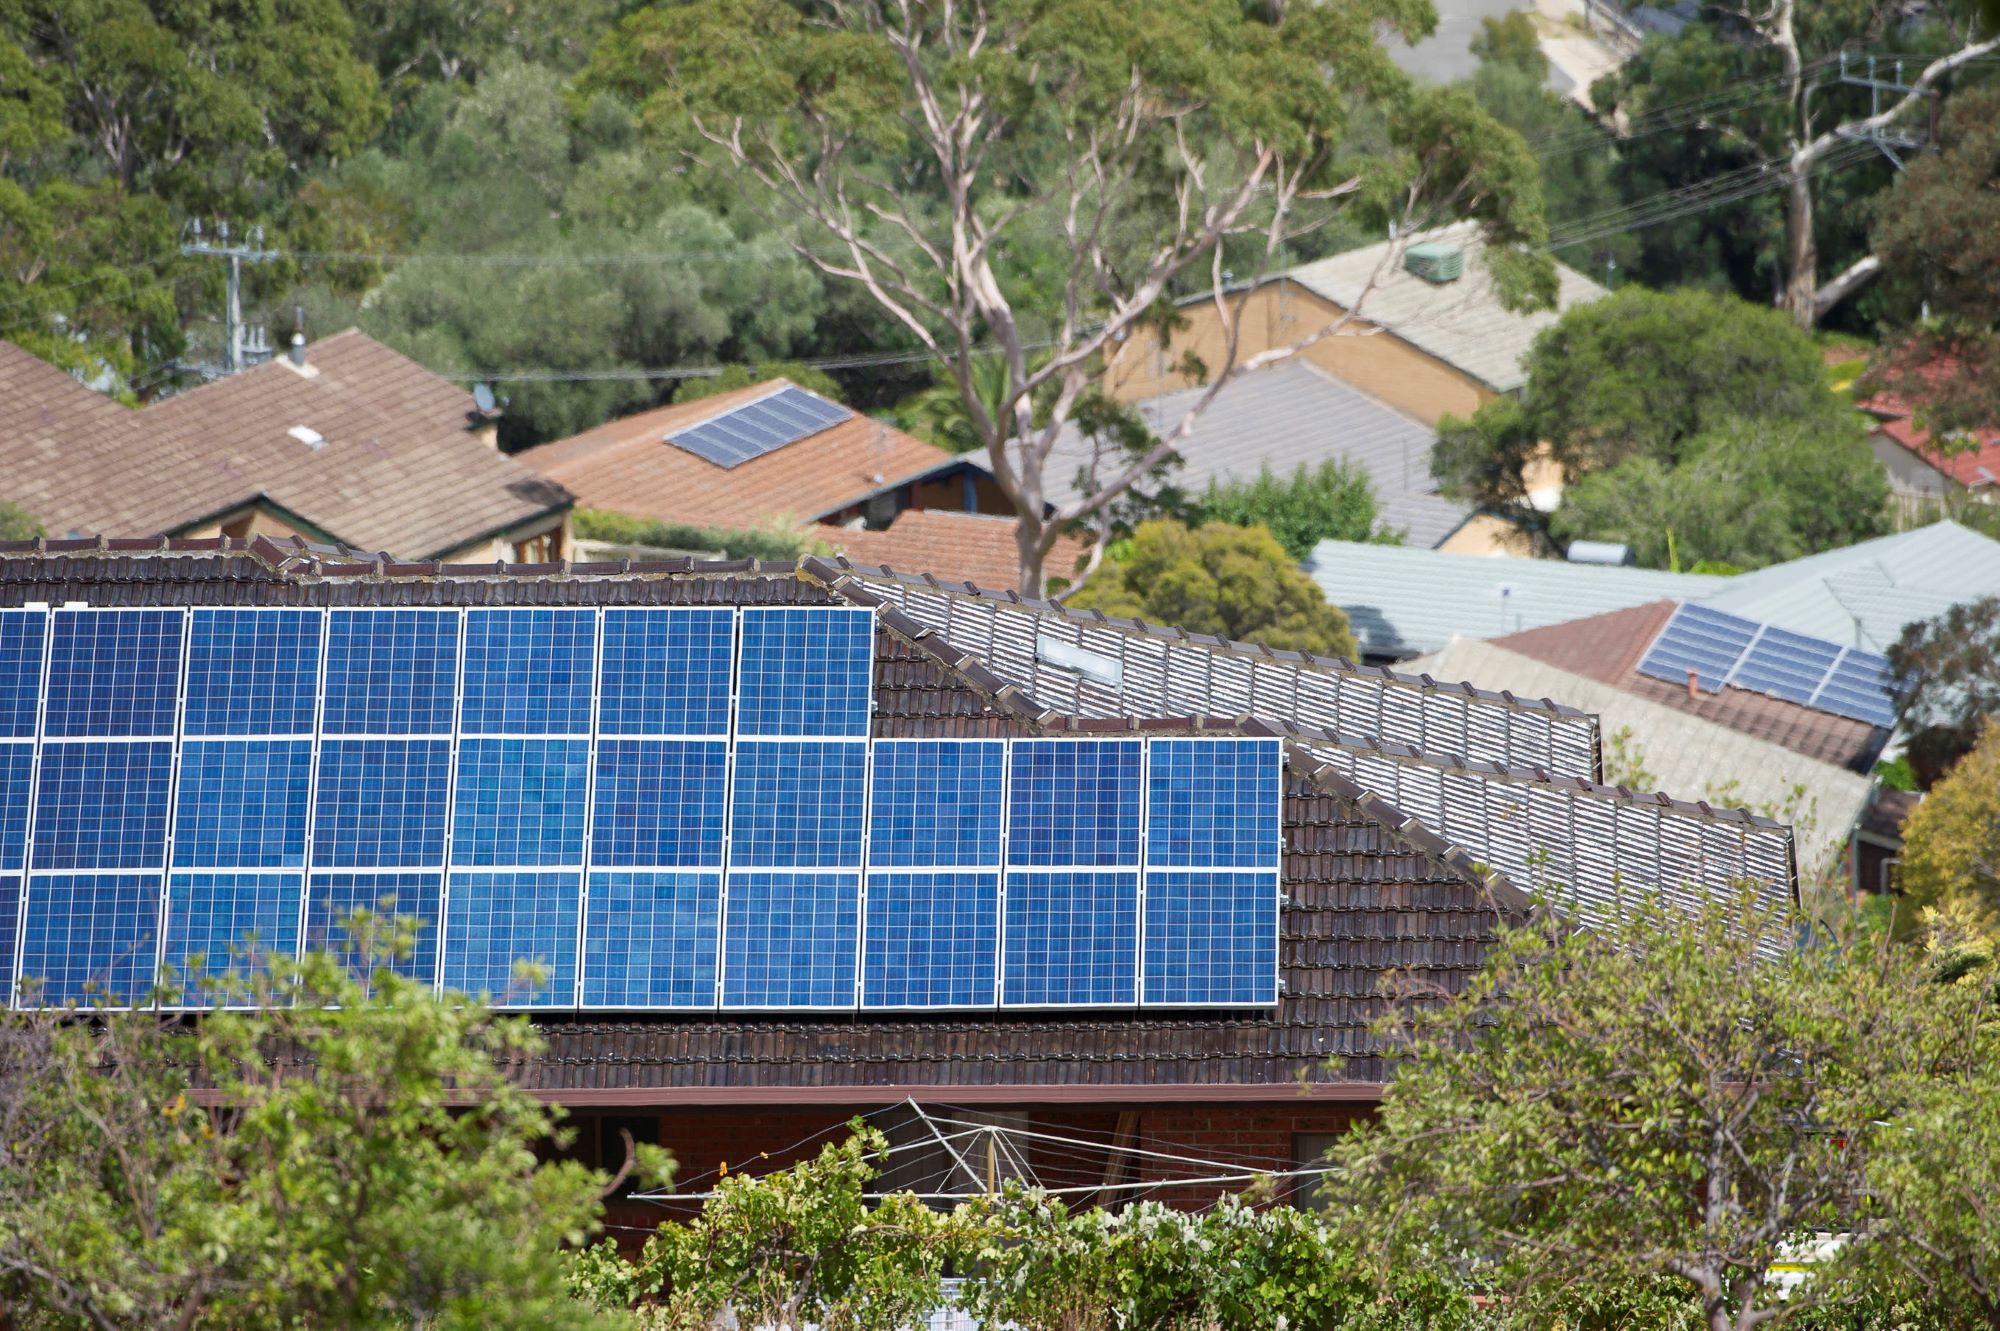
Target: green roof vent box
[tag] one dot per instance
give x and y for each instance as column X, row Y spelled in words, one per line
column 1436, row 262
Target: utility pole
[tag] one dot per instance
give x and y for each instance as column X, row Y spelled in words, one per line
column 237, row 255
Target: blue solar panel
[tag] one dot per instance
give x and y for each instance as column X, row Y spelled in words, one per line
column 334, row 897
column 10, row 923
column 528, row 672
column 242, row 804
column 21, row 635
column 91, row 937
column 520, row 801
column 756, row 428
column 798, row 805
column 788, row 940
column 1785, row 665
column 932, row 940
column 651, row 940
column 1074, row 802
column 937, row 802
column 1705, row 641
column 1211, row 937
column 252, row 672
column 806, row 673
column 230, row 920
column 1213, row 803
column 103, row 806
column 17, row 765
column 666, row 672
column 659, row 803
column 391, row 672
column 1862, row 686
column 114, row 672
column 1072, row 939
column 381, row 803
column 495, row 920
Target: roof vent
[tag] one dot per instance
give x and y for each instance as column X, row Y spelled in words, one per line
column 308, row 436
column 1436, row 263
column 1615, row 553
column 1105, row 670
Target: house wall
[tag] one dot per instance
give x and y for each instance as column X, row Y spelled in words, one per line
column 1908, row 473
column 1279, row 314
column 248, row 524
column 517, row 544
column 1239, row 1138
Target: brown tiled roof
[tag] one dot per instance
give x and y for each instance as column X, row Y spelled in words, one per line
column 627, row 466
column 399, row 468
column 964, row 547
column 1608, row 648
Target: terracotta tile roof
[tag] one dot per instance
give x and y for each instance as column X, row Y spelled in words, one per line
column 398, row 468
column 960, row 547
column 1608, row 648
column 1973, row 463
column 627, row 466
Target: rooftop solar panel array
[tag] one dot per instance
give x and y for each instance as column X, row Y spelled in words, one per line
column 655, row 809
column 756, row 428
column 1715, row 649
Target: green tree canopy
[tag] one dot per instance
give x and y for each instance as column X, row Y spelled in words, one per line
column 1671, row 1094
column 733, row 377
column 1952, row 665
column 161, row 1173
column 1749, row 494
column 1951, row 841
column 1017, row 177
column 1330, row 502
column 1235, row 581
column 1512, row 40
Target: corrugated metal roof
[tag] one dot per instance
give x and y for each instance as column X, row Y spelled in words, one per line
column 1862, row 596
column 1403, row 601
column 1682, row 752
column 1285, row 417
column 1462, row 322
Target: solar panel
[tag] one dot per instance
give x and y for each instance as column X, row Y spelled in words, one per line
column 252, row 672
column 528, row 672
column 1213, row 814
column 494, row 921
column 659, row 803
column 650, row 940
column 242, row 804
column 666, row 672
column 103, row 805
column 381, row 803
column 114, row 673
column 756, row 428
column 932, row 939
column 806, row 673
column 1812, row 672
column 332, row 898
column 91, row 937
column 391, row 672
column 789, row 940
column 1705, row 641
column 520, row 802
column 675, row 808
column 1072, row 918
column 22, row 633
column 225, row 920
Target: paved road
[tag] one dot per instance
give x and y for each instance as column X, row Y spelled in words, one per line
column 1442, row 56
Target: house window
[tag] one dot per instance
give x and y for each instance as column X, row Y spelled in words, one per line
column 542, row 548
column 1309, row 1152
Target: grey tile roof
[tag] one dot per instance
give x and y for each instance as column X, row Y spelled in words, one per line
column 1462, row 323
column 1169, row 672
column 1284, row 417
column 1403, row 601
column 1681, row 751
column 1863, row 595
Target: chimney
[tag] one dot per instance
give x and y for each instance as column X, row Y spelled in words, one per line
column 1694, row 678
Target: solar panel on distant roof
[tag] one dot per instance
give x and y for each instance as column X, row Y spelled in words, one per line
column 756, row 428
column 1722, row 648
